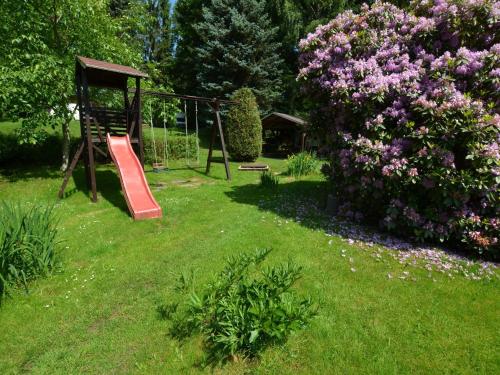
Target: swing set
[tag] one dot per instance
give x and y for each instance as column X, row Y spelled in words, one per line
column 214, row 104
column 118, row 133
column 163, row 165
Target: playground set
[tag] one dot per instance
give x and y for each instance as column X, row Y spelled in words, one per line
column 120, row 132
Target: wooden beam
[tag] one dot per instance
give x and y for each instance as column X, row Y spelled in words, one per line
column 187, row 97
column 98, row 150
column 70, row 169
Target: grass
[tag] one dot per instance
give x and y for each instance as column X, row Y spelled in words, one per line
column 100, row 313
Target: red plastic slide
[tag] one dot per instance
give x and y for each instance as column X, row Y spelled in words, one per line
column 140, row 201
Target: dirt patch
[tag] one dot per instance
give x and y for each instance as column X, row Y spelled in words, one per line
column 191, row 182
column 100, row 323
column 159, row 186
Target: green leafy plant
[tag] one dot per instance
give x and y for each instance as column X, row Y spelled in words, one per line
column 268, row 179
column 27, row 244
column 302, row 164
column 244, row 128
column 245, row 308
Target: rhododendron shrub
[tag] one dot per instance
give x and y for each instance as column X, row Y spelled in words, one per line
column 409, row 101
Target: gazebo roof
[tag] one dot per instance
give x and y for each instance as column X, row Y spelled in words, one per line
column 278, row 120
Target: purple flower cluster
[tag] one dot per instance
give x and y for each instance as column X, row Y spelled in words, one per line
column 413, row 101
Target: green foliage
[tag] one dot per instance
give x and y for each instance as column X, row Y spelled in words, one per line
column 158, row 45
column 302, row 164
column 187, row 14
column 269, row 180
column 175, row 147
column 158, row 110
column 148, row 25
column 244, row 128
column 47, row 151
column 245, row 308
column 238, row 49
column 27, row 244
column 118, row 7
column 38, row 44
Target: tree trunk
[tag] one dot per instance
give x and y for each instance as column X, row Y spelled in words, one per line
column 66, row 140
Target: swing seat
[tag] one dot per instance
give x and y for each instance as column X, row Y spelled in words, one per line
column 159, row 167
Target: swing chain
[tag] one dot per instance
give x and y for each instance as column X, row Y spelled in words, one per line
column 152, row 132
column 186, row 131
column 197, row 137
column 165, row 137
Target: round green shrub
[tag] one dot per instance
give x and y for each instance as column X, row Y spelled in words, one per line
column 244, row 128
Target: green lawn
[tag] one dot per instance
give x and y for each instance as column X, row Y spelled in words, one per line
column 98, row 314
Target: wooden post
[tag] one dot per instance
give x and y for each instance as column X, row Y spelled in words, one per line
column 223, row 143
column 126, row 100
column 126, row 103
column 210, row 147
column 90, row 149
column 83, row 132
column 139, row 120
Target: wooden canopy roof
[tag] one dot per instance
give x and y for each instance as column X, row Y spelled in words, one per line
column 106, row 74
column 277, row 120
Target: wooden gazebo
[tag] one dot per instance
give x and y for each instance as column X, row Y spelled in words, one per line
column 96, row 122
column 283, row 133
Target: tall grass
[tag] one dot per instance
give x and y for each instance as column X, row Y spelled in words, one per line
column 27, row 244
column 268, row 180
column 302, row 164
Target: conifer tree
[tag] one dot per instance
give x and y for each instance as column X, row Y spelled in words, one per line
column 238, row 49
column 187, row 14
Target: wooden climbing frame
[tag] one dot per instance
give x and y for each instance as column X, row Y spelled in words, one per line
column 96, row 122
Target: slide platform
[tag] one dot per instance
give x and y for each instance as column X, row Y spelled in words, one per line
column 140, row 201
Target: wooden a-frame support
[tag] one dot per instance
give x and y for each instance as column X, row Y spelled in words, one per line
column 217, row 127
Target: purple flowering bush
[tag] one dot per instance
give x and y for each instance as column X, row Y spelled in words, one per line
column 409, row 101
